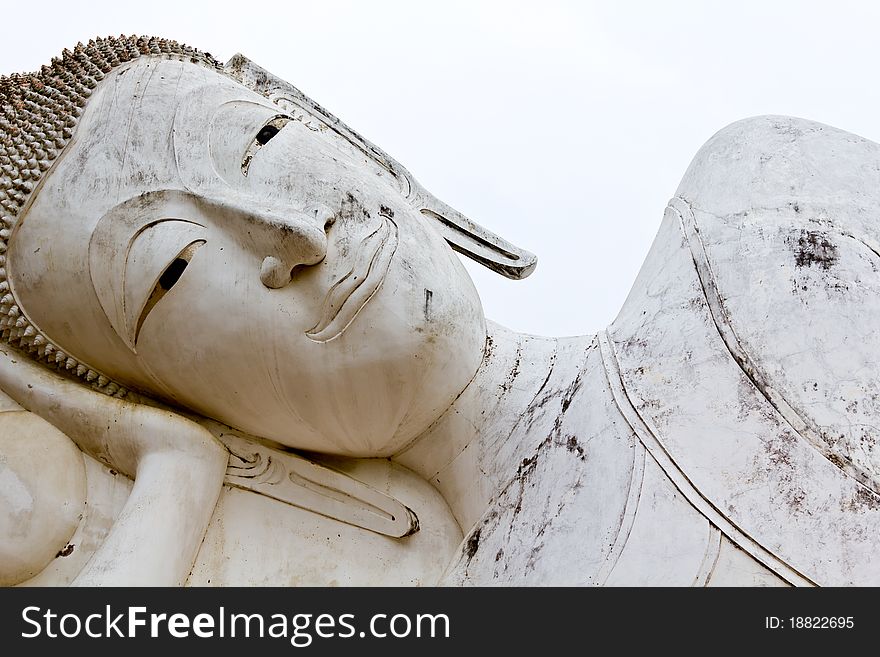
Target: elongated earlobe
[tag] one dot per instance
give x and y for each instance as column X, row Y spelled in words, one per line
column 462, row 234
column 478, row 243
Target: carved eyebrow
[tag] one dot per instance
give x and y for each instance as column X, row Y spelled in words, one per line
column 271, row 128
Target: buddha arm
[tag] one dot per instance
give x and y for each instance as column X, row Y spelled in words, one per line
column 177, row 467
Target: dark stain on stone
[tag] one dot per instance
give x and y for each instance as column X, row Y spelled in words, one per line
column 574, row 447
column 490, row 347
column 528, row 464
column 66, row 551
column 428, row 295
column 633, row 343
column 863, row 500
column 779, row 456
column 526, row 467
column 533, row 557
column 570, row 392
column 540, row 400
column 779, row 451
column 813, row 248
column 514, row 371
column 472, row 544
column 796, row 501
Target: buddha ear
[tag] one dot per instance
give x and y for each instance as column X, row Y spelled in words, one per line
column 462, row 234
column 478, row 243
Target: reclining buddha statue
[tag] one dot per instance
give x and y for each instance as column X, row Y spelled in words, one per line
column 239, row 348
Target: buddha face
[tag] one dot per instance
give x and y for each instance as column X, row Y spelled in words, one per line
column 197, row 243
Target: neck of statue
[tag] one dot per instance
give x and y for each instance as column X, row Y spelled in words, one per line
column 477, row 447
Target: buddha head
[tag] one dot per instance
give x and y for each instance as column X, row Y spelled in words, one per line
column 222, row 244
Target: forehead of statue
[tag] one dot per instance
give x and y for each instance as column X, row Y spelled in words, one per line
column 125, row 144
column 122, row 147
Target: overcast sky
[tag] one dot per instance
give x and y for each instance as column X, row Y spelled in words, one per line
column 563, row 126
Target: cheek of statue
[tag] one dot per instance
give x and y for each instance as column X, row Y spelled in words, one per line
column 355, row 355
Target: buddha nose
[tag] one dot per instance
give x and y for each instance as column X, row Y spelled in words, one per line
column 297, row 241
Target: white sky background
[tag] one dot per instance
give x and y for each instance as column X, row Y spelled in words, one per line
column 563, row 126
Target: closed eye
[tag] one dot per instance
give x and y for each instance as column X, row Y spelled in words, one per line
column 265, row 134
column 167, row 280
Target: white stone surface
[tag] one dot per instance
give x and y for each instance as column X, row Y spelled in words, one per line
column 317, row 399
column 42, row 494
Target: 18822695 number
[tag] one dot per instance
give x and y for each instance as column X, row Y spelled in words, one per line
column 820, row 622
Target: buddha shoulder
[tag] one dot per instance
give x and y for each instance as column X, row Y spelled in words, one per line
column 746, row 350
column 782, row 215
